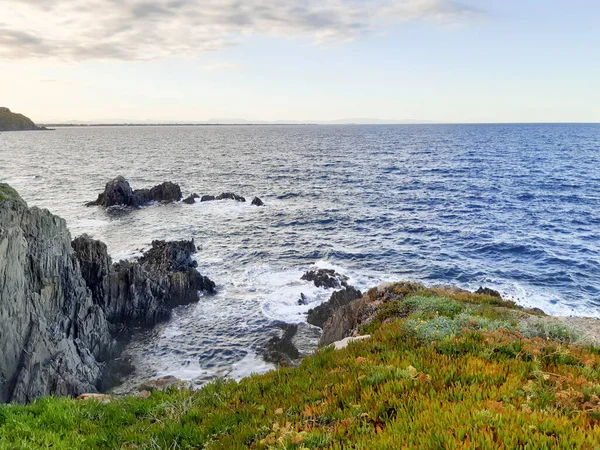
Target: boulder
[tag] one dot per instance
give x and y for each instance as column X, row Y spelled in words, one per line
column 230, row 196
column 487, row 291
column 207, row 198
column 118, row 192
column 321, row 314
column 281, row 350
column 257, row 202
column 191, row 199
column 326, row 278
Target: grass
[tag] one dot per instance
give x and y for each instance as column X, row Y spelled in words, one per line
column 8, row 193
column 441, row 372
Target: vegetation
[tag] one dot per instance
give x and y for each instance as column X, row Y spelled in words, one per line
column 442, row 370
column 8, row 193
column 10, row 121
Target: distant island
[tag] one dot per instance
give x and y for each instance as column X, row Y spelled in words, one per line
column 10, row 121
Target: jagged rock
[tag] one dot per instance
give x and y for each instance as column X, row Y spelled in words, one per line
column 487, row 291
column 319, row 315
column 343, row 321
column 191, row 199
column 327, row 278
column 119, row 192
column 62, row 304
column 53, row 338
column 281, row 350
column 257, row 202
column 141, row 292
column 207, row 198
column 230, row 196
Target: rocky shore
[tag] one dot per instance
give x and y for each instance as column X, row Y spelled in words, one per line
column 66, row 309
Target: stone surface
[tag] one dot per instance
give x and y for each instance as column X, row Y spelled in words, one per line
column 63, row 304
column 326, row 278
column 230, row 196
column 118, row 192
column 281, row 350
column 257, row 202
column 487, row 291
column 207, row 198
column 319, row 315
column 191, row 199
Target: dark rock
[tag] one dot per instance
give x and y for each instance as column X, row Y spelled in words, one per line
column 302, row 300
column 488, row 291
column 118, row 192
column 343, row 321
column 230, row 196
column 281, row 350
column 191, row 199
column 53, row 338
column 257, row 202
column 141, row 292
column 327, row 278
column 63, row 304
column 321, row 314
column 207, row 198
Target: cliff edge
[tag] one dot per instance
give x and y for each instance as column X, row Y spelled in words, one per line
column 10, row 121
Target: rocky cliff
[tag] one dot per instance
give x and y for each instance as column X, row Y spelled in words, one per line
column 63, row 304
column 10, row 121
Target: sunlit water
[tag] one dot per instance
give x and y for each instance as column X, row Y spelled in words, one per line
column 512, row 207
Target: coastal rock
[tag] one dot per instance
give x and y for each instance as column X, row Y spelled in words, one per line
column 191, row 199
column 257, row 202
column 230, row 196
column 118, row 192
column 207, row 198
column 143, row 292
column 53, row 338
column 321, row 314
column 281, row 350
column 326, row 278
column 63, row 304
column 487, row 291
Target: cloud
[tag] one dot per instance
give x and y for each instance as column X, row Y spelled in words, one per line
column 222, row 66
column 78, row 30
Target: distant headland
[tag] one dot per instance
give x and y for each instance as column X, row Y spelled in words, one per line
column 10, row 121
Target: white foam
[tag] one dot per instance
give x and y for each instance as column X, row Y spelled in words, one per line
column 248, row 365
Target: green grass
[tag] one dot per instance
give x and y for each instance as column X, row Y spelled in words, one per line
column 470, row 377
column 8, row 193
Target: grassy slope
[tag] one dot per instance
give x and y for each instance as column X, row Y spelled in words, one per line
column 440, row 372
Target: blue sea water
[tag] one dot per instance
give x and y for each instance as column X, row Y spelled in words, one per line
column 512, row 207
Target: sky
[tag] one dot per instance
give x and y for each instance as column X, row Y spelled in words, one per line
column 309, row 60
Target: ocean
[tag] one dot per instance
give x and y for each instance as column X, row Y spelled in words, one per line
column 511, row 207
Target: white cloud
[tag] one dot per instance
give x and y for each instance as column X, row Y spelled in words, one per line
column 77, row 30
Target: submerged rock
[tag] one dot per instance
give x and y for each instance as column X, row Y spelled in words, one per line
column 118, row 192
column 230, row 196
column 321, row 314
column 326, row 278
column 257, row 202
column 191, row 199
column 207, row 198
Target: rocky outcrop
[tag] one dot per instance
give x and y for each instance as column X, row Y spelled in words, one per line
column 63, row 304
column 281, row 350
column 223, row 196
column 118, row 192
column 487, row 291
column 257, row 202
column 326, row 278
column 321, row 314
column 10, row 121
column 143, row 292
column 53, row 338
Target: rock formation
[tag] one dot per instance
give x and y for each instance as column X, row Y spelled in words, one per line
column 321, row 314
column 326, row 278
column 191, row 199
column 257, row 202
column 223, row 196
column 119, row 192
column 63, row 305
